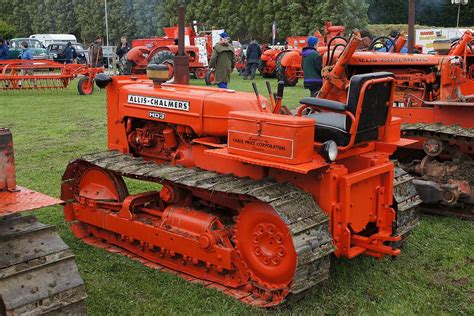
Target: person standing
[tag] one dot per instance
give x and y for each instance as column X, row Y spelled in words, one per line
column 223, row 60
column 4, row 51
column 253, row 58
column 96, row 55
column 123, row 48
column 68, row 53
column 25, row 55
column 312, row 66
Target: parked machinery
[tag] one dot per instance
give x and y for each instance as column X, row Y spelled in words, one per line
column 434, row 97
column 161, row 50
column 285, row 63
column 38, row 274
column 248, row 201
column 289, row 68
column 45, row 74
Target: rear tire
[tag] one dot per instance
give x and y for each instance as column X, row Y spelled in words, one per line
column 261, row 66
column 210, row 78
column 125, row 66
column 282, row 73
column 162, row 57
column 85, row 86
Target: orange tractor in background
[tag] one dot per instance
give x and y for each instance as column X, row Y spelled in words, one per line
column 290, row 69
column 38, row 273
column 434, row 97
column 161, row 50
column 243, row 199
column 277, row 61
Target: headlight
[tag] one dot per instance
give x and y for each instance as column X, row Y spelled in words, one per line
column 55, row 55
column 329, row 151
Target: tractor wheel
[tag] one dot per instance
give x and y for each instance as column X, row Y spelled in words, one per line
column 164, row 57
column 125, row 66
column 287, row 75
column 161, row 57
column 210, row 78
column 85, row 86
column 261, row 66
column 200, row 73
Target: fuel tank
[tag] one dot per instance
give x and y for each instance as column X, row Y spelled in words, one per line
column 204, row 109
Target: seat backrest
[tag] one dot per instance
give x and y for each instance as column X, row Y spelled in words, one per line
column 374, row 104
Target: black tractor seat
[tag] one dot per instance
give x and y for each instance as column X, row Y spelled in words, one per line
column 334, row 124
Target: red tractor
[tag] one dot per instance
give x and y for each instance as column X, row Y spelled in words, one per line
column 285, row 63
column 434, row 97
column 161, row 50
column 243, row 199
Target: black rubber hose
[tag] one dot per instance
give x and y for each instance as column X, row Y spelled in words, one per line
column 330, row 57
column 334, row 51
column 371, row 46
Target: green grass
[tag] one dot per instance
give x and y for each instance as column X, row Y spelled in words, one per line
column 433, row 275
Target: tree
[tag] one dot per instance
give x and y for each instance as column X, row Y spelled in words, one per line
column 7, row 31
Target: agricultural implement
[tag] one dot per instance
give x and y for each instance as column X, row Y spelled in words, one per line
column 45, row 75
column 434, row 97
column 38, row 273
column 161, row 50
column 244, row 200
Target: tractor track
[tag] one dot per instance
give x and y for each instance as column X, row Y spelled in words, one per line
column 407, row 203
column 38, row 274
column 307, row 223
column 443, row 132
column 446, row 133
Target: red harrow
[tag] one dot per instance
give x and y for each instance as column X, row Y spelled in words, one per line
column 45, row 74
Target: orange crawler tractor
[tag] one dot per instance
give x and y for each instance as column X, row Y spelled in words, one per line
column 38, row 274
column 248, row 201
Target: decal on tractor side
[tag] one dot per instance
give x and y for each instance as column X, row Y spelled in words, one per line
column 157, row 115
column 267, row 145
column 157, row 102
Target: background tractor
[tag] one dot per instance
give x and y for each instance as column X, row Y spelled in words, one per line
column 38, row 273
column 434, row 97
column 161, row 50
column 285, row 63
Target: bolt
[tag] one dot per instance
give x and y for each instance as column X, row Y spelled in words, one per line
column 271, row 229
column 276, row 260
column 257, row 251
column 279, row 238
column 256, row 238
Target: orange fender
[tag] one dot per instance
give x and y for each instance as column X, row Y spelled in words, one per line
column 292, row 59
column 136, row 54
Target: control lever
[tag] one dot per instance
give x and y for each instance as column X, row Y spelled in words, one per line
column 272, row 100
column 279, row 97
column 262, row 106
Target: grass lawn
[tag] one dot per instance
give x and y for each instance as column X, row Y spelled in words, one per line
column 434, row 273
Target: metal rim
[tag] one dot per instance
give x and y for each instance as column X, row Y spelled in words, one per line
column 265, row 245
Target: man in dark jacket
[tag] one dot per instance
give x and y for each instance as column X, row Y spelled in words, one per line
column 68, row 53
column 223, row 60
column 123, row 48
column 253, row 58
column 312, row 65
column 4, row 51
